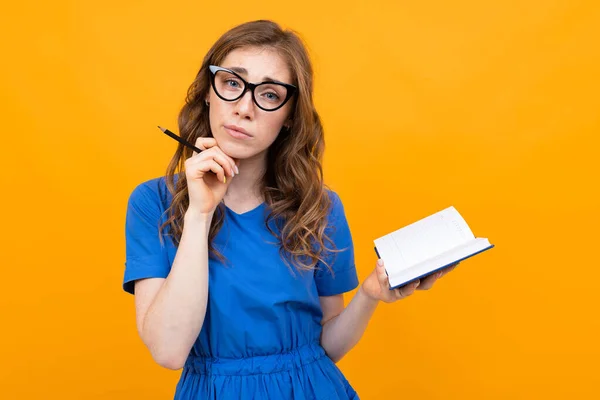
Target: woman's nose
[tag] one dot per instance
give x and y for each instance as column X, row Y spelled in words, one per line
column 245, row 105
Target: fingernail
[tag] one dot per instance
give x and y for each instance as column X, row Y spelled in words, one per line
column 237, row 170
column 380, row 262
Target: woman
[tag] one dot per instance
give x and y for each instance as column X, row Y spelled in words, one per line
column 243, row 287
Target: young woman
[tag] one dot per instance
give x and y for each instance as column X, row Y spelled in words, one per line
column 239, row 256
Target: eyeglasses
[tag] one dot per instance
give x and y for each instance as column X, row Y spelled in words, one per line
column 268, row 96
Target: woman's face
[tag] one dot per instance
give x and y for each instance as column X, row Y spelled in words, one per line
column 259, row 128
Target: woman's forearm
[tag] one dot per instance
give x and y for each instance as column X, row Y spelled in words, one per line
column 341, row 333
column 175, row 317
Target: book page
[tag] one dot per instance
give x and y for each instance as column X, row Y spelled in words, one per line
column 424, row 239
column 466, row 250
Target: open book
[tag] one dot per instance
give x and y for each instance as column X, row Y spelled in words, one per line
column 427, row 246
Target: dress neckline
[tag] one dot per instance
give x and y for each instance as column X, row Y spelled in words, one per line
column 247, row 213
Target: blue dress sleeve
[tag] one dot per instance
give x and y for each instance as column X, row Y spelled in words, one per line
column 344, row 277
column 146, row 256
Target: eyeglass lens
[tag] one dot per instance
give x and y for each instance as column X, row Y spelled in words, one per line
column 267, row 95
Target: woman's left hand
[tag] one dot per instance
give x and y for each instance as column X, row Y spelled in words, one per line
column 377, row 287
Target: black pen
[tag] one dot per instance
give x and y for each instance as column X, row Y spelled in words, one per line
column 180, row 140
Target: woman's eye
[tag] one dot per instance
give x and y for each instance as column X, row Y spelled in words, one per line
column 271, row 96
column 232, row 83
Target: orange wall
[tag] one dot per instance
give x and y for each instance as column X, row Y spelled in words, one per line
column 488, row 106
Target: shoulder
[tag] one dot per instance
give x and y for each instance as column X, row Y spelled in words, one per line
column 335, row 200
column 333, row 196
column 336, row 207
column 154, row 190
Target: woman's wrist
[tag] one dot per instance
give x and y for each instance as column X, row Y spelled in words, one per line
column 197, row 219
column 368, row 297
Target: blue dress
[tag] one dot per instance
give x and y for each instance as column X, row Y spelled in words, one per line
column 261, row 334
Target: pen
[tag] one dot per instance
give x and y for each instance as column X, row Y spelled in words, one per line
column 180, row 140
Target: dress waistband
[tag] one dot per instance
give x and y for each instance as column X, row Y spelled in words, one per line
column 267, row 364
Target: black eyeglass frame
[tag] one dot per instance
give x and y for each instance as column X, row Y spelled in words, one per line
column 291, row 89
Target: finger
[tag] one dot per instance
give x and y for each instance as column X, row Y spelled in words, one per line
column 224, row 160
column 209, row 145
column 219, row 171
column 407, row 290
column 387, row 293
column 210, row 165
column 232, row 164
column 429, row 280
column 449, row 269
column 399, row 293
column 382, row 276
column 205, row 143
column 219, row 157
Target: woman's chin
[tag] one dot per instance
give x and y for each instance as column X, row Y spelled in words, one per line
column 235, row 151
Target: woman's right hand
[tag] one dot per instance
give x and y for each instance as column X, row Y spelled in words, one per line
column 208, row 175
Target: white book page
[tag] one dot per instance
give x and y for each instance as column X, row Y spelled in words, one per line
column 424, row 239
column 466, row 250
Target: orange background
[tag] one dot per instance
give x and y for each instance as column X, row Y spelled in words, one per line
column 488, row 106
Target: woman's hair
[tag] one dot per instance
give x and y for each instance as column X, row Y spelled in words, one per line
column 292, row 185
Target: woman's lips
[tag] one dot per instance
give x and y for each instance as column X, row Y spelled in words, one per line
column 237, row 132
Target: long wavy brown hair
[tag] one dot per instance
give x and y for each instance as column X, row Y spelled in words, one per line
column 292, row 185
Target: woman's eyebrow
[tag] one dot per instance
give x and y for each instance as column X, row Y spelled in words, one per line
column 244, row 71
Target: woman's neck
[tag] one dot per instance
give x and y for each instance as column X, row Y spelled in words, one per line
column 244, row 191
